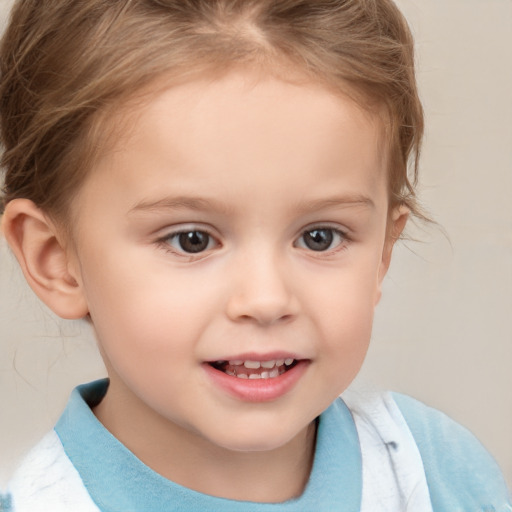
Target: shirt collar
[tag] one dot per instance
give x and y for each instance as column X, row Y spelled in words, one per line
column 117, row 480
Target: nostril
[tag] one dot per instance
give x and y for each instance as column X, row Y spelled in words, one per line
column 266, row 319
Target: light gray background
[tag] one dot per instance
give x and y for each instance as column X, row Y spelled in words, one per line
column 443, row 331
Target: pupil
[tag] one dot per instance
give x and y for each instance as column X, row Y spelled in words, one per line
column 193, row 241
column 318, row 239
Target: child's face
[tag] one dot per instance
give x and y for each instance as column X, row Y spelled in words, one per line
column 238, row 220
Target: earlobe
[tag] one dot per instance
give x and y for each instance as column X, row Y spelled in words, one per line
column 396, row 224
column 44, row 260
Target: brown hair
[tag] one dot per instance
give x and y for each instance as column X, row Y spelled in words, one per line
column 64, row 63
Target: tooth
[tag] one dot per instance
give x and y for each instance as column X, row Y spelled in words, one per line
column 274, row 373
column 229, row 372
column 236, row 363
column 265, row 375
column 288, row 362
column 280, row 362
column 268, row 364
column 253, row 376
column 253, row 365
column 242, row 376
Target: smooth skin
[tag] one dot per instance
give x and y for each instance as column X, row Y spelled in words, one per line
column 237, row 218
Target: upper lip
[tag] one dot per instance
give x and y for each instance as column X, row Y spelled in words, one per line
column 253, row 356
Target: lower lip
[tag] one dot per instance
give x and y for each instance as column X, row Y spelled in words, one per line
column 257, row 390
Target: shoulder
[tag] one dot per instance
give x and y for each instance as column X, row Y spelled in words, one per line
column 46, row 480
column 461, row 474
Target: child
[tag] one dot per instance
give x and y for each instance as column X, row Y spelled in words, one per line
column 217, row 185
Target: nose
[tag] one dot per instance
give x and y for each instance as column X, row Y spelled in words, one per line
column 261, row 290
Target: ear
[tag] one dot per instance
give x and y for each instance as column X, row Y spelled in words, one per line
column 43, row 258
column 396, row 224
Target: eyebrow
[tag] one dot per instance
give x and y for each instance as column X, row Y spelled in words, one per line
column 202, row 204
column 336, row 202
column 180, row 203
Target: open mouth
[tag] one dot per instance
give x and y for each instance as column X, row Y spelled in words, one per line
column 255, row 369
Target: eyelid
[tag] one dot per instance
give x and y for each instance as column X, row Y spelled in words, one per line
column 325, row 225
column 186, row 227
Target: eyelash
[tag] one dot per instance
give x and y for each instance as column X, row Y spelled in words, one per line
column 166, row 241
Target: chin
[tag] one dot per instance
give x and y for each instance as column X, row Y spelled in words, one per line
column 256, row 439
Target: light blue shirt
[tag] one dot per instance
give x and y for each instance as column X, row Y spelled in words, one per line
column 458, row 473
column 117, row 480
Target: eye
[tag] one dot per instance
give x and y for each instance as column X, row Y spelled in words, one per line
column 190, row 242
column 321, row 239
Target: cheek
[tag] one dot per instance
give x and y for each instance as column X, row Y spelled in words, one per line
column 142, row 306
column 346, row 299
column 347, row 337
column 347, row 331
column 344, row 318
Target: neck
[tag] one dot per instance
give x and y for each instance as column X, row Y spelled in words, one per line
column 192, row 461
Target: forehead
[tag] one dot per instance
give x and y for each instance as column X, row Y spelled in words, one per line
column 244, row 104
column 262, row 128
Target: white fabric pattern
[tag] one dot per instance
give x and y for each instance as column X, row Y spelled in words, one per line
column 48, row 482
column 393, row 474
